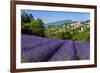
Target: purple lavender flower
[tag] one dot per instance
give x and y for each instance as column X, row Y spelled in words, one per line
column 41, row 53
column 83, row 49
column 28, row 41
column 65, row 52
column 39, row 49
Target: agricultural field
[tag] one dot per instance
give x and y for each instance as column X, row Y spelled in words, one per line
column 39, row 49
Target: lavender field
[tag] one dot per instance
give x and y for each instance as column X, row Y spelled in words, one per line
column 42, row 49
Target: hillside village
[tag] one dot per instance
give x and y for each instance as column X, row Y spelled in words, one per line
column 77, row 25
column 71, row 28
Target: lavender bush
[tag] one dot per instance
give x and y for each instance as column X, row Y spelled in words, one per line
column 41, row 53
column 83, row 49
column 33, row 41
column 65, row 52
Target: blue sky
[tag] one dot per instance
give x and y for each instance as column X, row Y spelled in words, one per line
column 52, row 16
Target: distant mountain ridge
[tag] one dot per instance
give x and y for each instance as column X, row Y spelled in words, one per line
column 56, row 23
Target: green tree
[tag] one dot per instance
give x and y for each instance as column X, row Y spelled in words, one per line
column 50, row 26
column 27, row 29
column 26, row 18
column 36, row 27
column 81, row 36
column 67, row 35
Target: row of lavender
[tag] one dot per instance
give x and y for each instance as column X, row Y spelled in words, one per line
column 39, row 49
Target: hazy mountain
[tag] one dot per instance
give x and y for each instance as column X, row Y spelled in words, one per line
column 86, row 21
column 56, row 23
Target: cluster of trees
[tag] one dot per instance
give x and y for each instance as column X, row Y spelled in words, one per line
column 32, row 26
